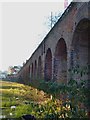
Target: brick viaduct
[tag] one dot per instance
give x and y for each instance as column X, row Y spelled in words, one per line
column 65, row 46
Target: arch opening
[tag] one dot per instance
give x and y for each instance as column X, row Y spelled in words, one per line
column 48, row 65
column 32, row 71
column 35, row 69
column 39, row 67
column 80, row 48
column 60, row 62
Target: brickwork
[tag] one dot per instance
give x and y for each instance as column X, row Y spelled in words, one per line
column 65, row 46
column 32, row 74
column 35, row 69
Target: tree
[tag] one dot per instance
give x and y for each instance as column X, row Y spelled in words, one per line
column 52, row 19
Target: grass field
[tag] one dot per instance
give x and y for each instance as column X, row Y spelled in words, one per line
column 19, row 99
column 16, row 97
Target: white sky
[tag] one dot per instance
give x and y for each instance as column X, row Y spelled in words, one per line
column 22, row 28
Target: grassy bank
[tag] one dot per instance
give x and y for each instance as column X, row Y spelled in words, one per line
column 17, row 98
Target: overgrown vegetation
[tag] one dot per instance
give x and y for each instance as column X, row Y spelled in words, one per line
column 61, row 101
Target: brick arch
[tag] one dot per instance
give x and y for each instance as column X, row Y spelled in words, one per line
column 29, row 69
column 28, row 73
column 35, row 69
column 39, row 75
column 60, row 61
column 32, row 71
column 80, row 47
column 48, row 65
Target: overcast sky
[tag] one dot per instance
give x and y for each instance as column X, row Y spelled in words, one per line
column 22, row 29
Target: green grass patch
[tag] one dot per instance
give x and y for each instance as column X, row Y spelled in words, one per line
column 21, row 96
column 19, row 99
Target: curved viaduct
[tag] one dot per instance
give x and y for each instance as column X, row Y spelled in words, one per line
column 64, row 47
